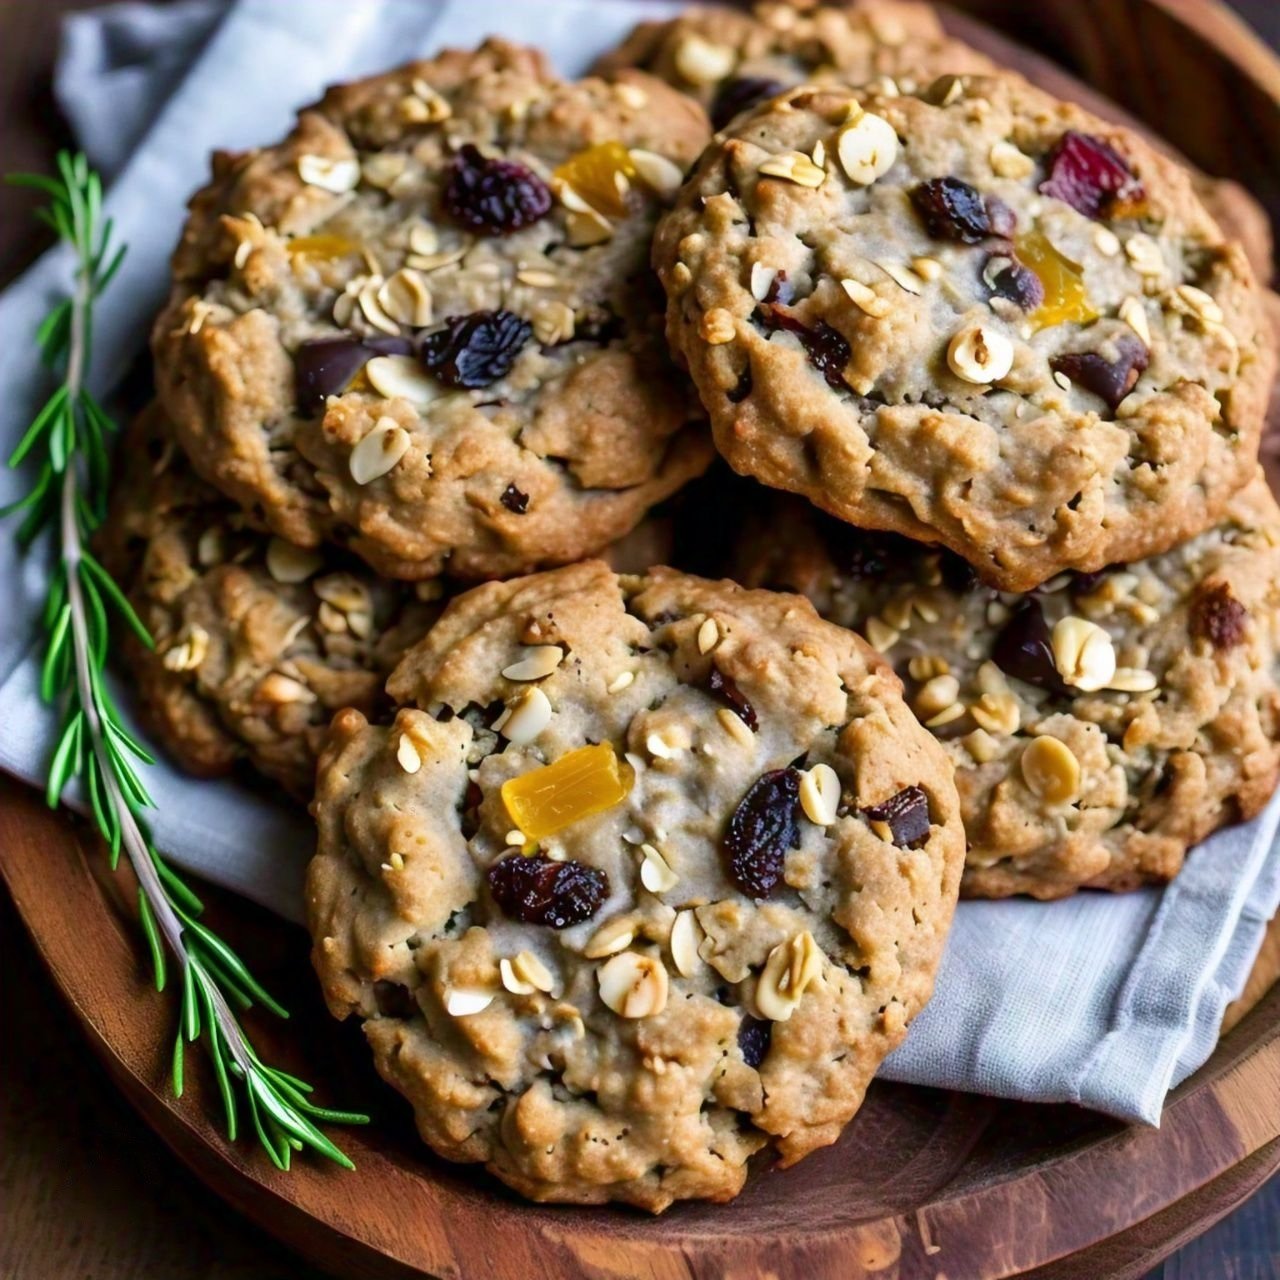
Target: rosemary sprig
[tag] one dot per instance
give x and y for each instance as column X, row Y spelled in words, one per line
column 68, row 443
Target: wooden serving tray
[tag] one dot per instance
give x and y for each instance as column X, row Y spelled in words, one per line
column 925, row 1184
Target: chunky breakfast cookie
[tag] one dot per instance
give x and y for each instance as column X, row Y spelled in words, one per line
column 257, row 642
column 645, row 873
column 976, row 316
column 1100, row 725
column 424, row 325
column 732, row 59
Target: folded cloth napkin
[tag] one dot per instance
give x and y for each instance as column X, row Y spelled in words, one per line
column 1104, row 1001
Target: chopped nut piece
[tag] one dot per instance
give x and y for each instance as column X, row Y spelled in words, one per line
column 621, row 681
column 937, row 694
column 820, row 794
column 588, row 228
column 282, row 690
column 865, row 298
column 1144, row 253
column 686, row 938
column 1051, row 771
column 718, row 326
column 371, row 307
column 461, row 1002
column 407, row 755
column 1133, row 680
column 733, row 725
column 901, row 276
column 406, row 298
column 1007, row 161
column 997, row 712
column 188, row 649
column 289, row 564
column 701, row 62
column 1134, row 314
column 336, row 175
column 981, row 746
column 610, row 938
column 401, row 377
column 524, row 719
column 633, row 985
column 525, row 974
column 1083, row 653
column 867, row 148
column 980, row 355
column 880, row 636
column 379, row 451
column 762, row 279
column 539, row 660
column 668, row 744
column 708, row 636
column 790, row 969
column 662, row 176
column 655, row 871
column 553, row 322
column 794, row 166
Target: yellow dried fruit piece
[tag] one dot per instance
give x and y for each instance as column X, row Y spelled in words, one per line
column 584, row 782
column 322, row 248
column 1065, row 299
column 603, row 176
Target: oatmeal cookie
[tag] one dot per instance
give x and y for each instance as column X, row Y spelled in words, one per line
column 257, row 642
column 977, row 316
column 1100, row 725
column 731, row 59
column 646, row 873
column 424, row 325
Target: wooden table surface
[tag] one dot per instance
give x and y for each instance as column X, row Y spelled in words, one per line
column 86, row 1191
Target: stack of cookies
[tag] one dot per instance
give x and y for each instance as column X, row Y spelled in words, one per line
column 630, row 873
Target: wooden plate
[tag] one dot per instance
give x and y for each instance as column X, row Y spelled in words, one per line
column 924, row 1184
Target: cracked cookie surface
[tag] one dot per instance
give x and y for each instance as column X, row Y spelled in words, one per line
column 257, row 642
column 646, row 873
column 978, row 317
column 730, row 59
column 423, row 325
column 1099, row 726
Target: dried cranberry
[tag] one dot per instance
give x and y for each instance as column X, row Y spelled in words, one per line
column 1023, row 649
column 1007, row 278
column 761, row 830
column 952, row 210
column 514, row 500
column 726, row 689
column 907, row 814
column 1217, row 616
column 326, row 366
column 1110, row 380
column 493, row 197
column 735, row 96
column 475, row 350
column 827, row 348
column 754, row 1037
column 539, row 890
column 1091, row 176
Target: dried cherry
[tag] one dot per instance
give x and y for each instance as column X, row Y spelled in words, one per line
column 493, row 197
column 726, row 689
column 515, row 500
column 1110, row 380
column 760, row 832
column 952, row 210
column 1091, row 176
column 538, row 890
column 1217, row 616
column 1024, row 649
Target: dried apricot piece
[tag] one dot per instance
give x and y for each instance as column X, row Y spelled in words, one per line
column 604, row 176
column 322, row 247
column 1065, row 298
column 584, row 782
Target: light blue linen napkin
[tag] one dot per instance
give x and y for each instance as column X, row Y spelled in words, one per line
column 1105, row 1001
